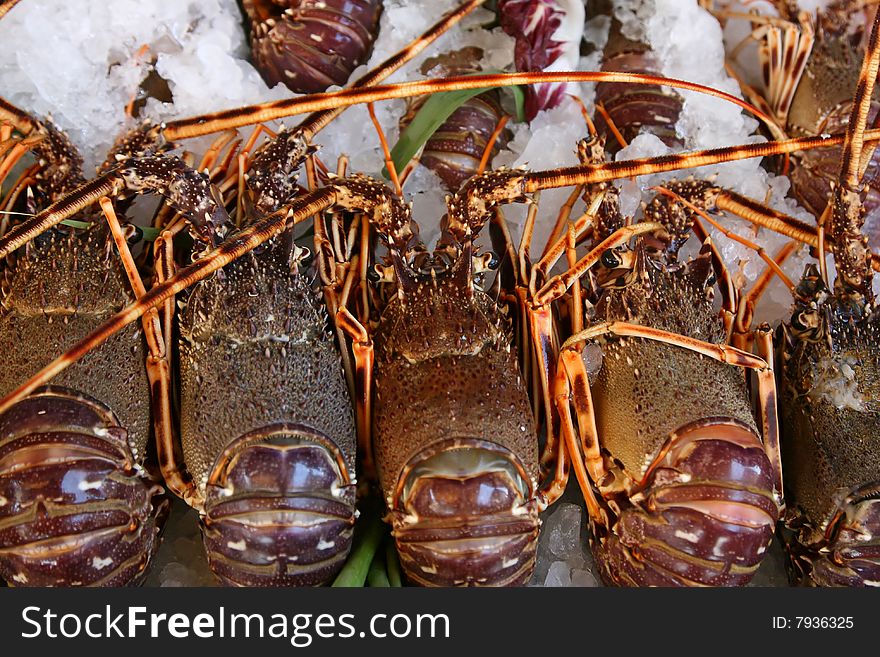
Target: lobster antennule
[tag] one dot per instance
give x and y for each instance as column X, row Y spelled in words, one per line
column 279, row 509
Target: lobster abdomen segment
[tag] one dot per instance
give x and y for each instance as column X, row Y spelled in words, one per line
column 74, row 509
column 463, row 517
column 279, row 512
column 310, row 45
column 705, row 515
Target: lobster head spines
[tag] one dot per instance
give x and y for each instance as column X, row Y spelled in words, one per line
column 62, row 165
column 440, row 314
column 676, row 217
column 279, row 509
column 144, row 140
column 473, row 205
column 186, row 190
column 636, row 286
column 463, row 515
column 74, row 508
column 271, row 177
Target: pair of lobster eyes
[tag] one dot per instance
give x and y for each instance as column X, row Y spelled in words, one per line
column 488, row 261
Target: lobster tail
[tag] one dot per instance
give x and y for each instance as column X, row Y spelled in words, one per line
column 74, row 508
column 635, row 108
column 464, row 518
column 455, row 149
column 310, row 45
column 847, row 553
column 279, row 509
column 705, row 514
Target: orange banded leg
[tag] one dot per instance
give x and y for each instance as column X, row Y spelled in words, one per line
column 768, row 410
column 159, row 371
column 158, row 334
column 539, row 359
column 243, row 242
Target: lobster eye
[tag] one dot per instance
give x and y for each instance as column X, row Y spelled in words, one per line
column 135, row 235
column 805, row 320
column 711, row 280
column 493, row 261
column 610, row 260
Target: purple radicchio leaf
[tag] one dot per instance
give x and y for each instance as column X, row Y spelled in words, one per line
column 548, row 35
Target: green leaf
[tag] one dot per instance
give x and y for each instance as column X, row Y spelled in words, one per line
column 149, row 234
column 368, row 535
column 434, row 113
column 519, row 99
column 430, row 116
column 76, row 224
column 392, row 564
column 377, row 577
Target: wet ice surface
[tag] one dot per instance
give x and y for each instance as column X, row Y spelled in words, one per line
column 564, row 557
column 181, row 559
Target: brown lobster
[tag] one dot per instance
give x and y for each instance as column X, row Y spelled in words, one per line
column 285, row 450
column 79, row 506
column 829, row 369
column 682, row 480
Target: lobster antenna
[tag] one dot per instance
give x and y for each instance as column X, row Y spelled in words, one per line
column 336, row 100
column 6, row 6
column 54, row 214
column 320, row 199
column 386, row 151
column 243, row 242
column 593, row 173
column 730, row 235
column 321, row 113
column 18, row 119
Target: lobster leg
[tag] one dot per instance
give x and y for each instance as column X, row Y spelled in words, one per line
column 159, row 371
column 12, row 150
column 362, row 346
column 742, row 336
column 538, row 325
column 725, row 280
column 720, row 352
column 556, row 286
column 158, row 363
column 779, row 222
column 768, row 410
column 308, row 204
